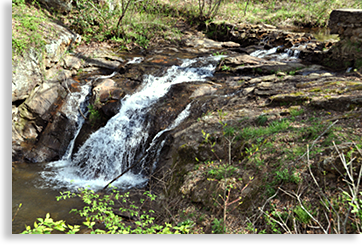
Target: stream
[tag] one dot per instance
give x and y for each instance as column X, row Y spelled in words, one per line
column 123, row 142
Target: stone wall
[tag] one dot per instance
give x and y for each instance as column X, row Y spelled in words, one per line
column 347, row 53
column 347, row 23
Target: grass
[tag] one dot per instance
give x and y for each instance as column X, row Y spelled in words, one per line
column 27, row 26
column 277, row 149
column 279, row 13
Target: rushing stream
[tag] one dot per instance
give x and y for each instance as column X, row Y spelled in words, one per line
column 109, row 151
column 116, row 146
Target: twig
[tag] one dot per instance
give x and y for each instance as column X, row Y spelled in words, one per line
column 318, row 139
column 354, row 188
column 120, row 175
column 81, row 113
column 304, row 209
column 17, row 211
column 321, row 192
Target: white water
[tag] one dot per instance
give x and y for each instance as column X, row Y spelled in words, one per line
column 76, row 101
column 272, row 54
column 116, row 146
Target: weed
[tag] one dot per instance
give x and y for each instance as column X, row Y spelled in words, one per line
column 301, row 215
column 261, row 120
column 94, row 114
column 221, row 171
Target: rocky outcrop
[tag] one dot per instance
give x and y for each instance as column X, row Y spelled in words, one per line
column 37, row 66
column 39, row 91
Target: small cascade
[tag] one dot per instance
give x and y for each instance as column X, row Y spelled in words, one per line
column 274, row 54
column 125, row 138
column 77, row 100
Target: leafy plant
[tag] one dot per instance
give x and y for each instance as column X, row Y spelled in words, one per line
column 94, row 114
column 219, row 172
column 47, row 225
column 101, row 218
column 301, row 215
column 218, row 226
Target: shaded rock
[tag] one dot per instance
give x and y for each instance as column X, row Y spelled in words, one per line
column 62, row 6
column 341, row 20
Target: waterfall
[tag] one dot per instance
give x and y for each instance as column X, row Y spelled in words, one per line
column 124, row 139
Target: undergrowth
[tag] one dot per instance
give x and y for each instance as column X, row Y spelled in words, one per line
column 112, row 213
column 285, row 154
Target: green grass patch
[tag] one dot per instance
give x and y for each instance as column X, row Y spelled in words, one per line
column 27, row 27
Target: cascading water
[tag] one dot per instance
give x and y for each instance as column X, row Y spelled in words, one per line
column 123, row 140
column 272, row 54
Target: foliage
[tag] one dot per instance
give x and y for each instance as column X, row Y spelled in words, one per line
column 47, row 225
column 124, row 21
column 220, row 171
column 101, row 216
column 94, row 114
